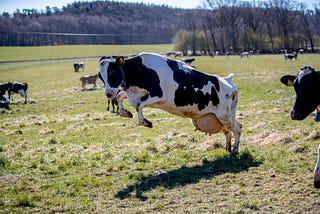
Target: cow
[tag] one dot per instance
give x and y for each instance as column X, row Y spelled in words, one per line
column 188, row 61
column 307, row 86
column 18, row 88
column 243, row 54
column 89, row 80
column 77, row 66
column 291, row 56
column 152, row 80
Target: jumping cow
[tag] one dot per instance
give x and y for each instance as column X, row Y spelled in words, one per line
column 307, row 86
column 152, row 80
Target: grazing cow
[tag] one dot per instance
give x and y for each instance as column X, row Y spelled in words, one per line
column 4, row 102
column 18, row 88
column 152, row 80
column 243, row 54
column 291, row 56
column 88, row 80
column 77, row 66
column 307, row 86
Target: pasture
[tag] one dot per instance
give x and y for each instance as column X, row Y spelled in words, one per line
column 65, row 153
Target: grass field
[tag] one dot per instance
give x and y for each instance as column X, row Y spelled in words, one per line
column 65, row 153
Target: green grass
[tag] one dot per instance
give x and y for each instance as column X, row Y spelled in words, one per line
column 65, row 153
column 74, row 51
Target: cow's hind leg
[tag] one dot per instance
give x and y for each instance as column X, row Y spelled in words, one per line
column 316, row 176
column 236, row 129
column 228, row 135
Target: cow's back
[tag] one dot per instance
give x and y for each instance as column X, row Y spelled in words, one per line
column 186, row 91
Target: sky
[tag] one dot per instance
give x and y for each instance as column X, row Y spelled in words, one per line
column 11, row 5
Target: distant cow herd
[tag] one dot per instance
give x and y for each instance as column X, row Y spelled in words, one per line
column 210, row 101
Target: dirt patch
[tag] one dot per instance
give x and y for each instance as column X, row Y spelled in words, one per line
column 269, row 138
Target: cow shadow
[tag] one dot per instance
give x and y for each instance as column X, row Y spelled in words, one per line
column 188, row 175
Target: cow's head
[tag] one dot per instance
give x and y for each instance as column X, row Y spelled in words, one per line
column 306, row 85
column 111, row 75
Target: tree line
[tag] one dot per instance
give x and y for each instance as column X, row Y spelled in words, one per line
column 216, row 25
column 99, row 22
column 263, row 26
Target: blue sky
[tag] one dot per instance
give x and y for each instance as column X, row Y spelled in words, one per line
column 11, row 5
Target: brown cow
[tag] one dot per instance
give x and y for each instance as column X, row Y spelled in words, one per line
column 88, row 80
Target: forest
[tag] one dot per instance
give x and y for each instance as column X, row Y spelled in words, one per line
column 216, row 25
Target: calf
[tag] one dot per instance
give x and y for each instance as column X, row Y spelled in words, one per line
column 151, row 80
column 19, row 88
column 77, row 66
column 307, row 86
column 88, row 80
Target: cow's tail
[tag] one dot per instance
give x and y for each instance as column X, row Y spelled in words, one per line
column 229, row 78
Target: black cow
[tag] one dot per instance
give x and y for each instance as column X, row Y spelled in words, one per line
column 307, row 86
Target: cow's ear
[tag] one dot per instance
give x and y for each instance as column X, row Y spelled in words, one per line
column 119, row 60
column 288, row 80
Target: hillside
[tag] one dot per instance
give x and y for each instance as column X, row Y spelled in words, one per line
column 100, row 22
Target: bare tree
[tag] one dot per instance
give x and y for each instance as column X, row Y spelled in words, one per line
column 284, row 16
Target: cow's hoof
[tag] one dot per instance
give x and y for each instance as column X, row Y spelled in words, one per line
column 126, row 113
column 147, row 123
column 317, row 184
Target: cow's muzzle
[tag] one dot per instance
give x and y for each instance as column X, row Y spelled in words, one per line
column 110, row 94
column 297, row 116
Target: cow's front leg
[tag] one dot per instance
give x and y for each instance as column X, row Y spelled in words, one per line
column 143, row 121
column 316, row 176
column 121, row 111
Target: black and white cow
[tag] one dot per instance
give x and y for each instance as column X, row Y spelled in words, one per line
column 19, row 88
column 152, row 80
column 291, row 56
column 307, row 86
column 77, row 66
